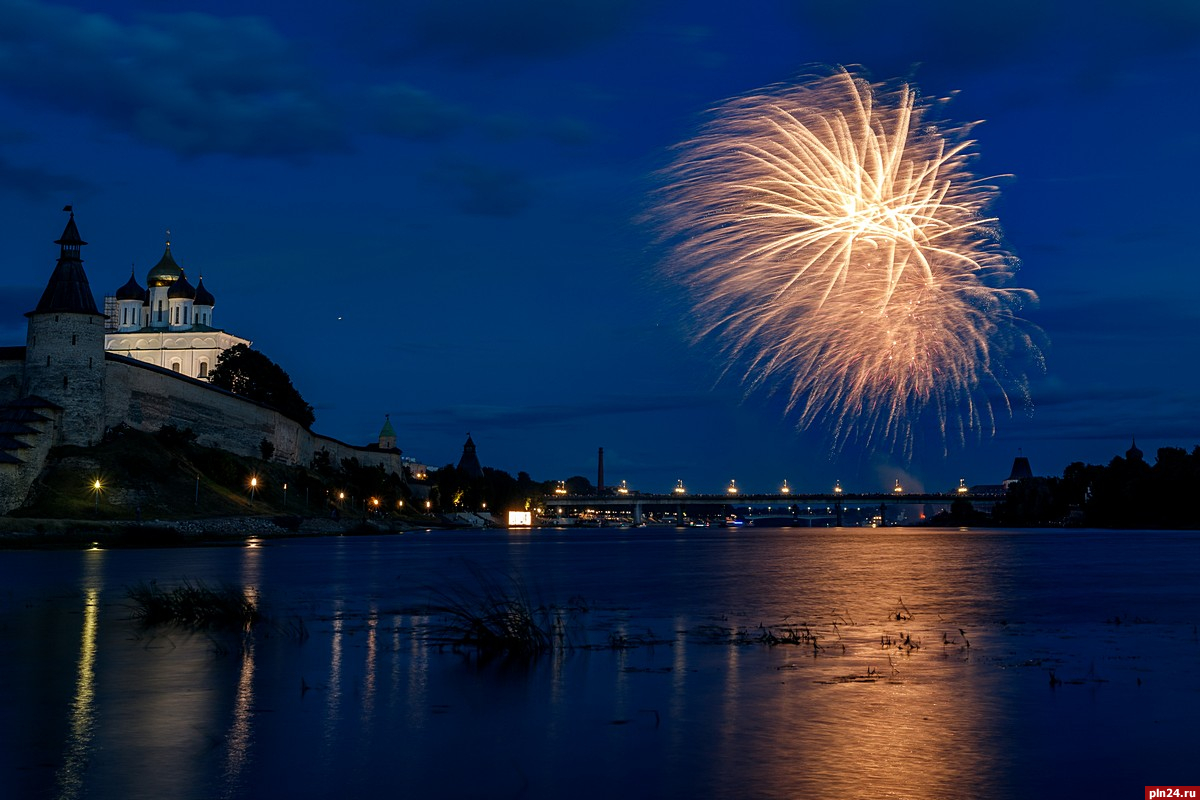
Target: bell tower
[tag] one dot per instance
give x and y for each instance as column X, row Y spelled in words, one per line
column 64, row 347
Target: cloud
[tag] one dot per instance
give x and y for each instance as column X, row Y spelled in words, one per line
column 410, row 113
column 191, row 82
column 463, row 417
column 482, row 189
column 953, row 36
column 38, row 184
column 486, row 30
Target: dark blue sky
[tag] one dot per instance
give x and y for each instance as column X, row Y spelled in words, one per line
column 432, row 212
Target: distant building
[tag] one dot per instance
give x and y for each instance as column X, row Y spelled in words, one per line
column 469, row 463
column 1133, row 453
column 387, row 436
column 169, row 324
column 70, row 383
column 1020, row 471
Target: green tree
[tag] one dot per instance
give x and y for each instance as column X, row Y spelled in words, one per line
column 252, row 375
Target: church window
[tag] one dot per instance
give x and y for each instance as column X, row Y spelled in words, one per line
column 160, row 314
column 174, row 366
column 185, row 315
column 203, row 369
column 176, row 315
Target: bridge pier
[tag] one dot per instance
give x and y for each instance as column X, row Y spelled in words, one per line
column 637, row 512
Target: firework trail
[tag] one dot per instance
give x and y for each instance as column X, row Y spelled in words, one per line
column 837, row 250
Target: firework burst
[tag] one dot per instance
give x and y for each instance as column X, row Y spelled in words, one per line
column 838, row 251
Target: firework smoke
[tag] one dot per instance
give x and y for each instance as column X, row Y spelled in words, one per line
column 837, row 250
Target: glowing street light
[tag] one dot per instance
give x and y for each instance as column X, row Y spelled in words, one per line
column 97, row 487
column 253, row 487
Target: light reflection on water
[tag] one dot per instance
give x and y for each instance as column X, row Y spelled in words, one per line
column 924, row 672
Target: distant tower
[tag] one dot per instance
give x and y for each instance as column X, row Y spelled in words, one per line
column 1020, row 470
column 387, row 436
column 64, row 352
column 600, row 473
column 469, row 463
column 1133, row 454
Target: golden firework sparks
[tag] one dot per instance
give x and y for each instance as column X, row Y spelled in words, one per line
column 838, row 250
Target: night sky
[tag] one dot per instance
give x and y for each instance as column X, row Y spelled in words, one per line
column 434, row 212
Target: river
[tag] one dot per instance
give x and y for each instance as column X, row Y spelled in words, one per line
column 847, row 663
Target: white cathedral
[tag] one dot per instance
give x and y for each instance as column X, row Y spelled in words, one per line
column 168, row 324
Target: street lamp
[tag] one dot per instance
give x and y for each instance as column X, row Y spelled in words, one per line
column 253, row 487
column 285, row 497
column 96, row 487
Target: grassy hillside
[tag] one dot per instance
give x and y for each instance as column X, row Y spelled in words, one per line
column 165, row 475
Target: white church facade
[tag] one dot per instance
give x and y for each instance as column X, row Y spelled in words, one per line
column 168, row 324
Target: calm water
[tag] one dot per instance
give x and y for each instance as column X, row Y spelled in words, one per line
column 947, row 664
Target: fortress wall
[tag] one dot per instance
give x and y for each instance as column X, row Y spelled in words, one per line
column 147, row 398
column 10, row 378
column 16, row 479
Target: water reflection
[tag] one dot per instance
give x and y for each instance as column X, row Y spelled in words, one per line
column 237, row 753
column 693, row 714
column 83, row 711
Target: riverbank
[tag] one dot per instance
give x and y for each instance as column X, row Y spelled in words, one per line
column 18, row 533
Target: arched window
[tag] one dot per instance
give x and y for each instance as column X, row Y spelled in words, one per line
column 203, row 369
column 176, row 366
column 160, row 310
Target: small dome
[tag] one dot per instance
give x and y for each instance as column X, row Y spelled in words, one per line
column 131, row 290
column 181, row 288
column 203, row 296
column 165, row 272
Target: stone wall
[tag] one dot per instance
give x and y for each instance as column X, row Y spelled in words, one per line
column 10, row 373
column 148, row 397
column 16, row 478
column 64, row 363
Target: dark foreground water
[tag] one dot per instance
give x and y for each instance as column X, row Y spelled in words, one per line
column 927, row 665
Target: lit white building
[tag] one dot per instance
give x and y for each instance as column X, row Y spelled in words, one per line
column 168, row 324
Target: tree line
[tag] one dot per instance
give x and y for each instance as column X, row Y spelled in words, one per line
column 1125, row 493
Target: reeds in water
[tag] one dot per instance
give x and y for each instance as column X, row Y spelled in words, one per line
column 496, row 619
column 193, row 606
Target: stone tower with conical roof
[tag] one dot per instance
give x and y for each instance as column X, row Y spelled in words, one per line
column 387, row 434
column 469, row 463
column 64, row 346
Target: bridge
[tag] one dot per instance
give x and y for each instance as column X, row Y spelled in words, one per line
column 835, row 503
